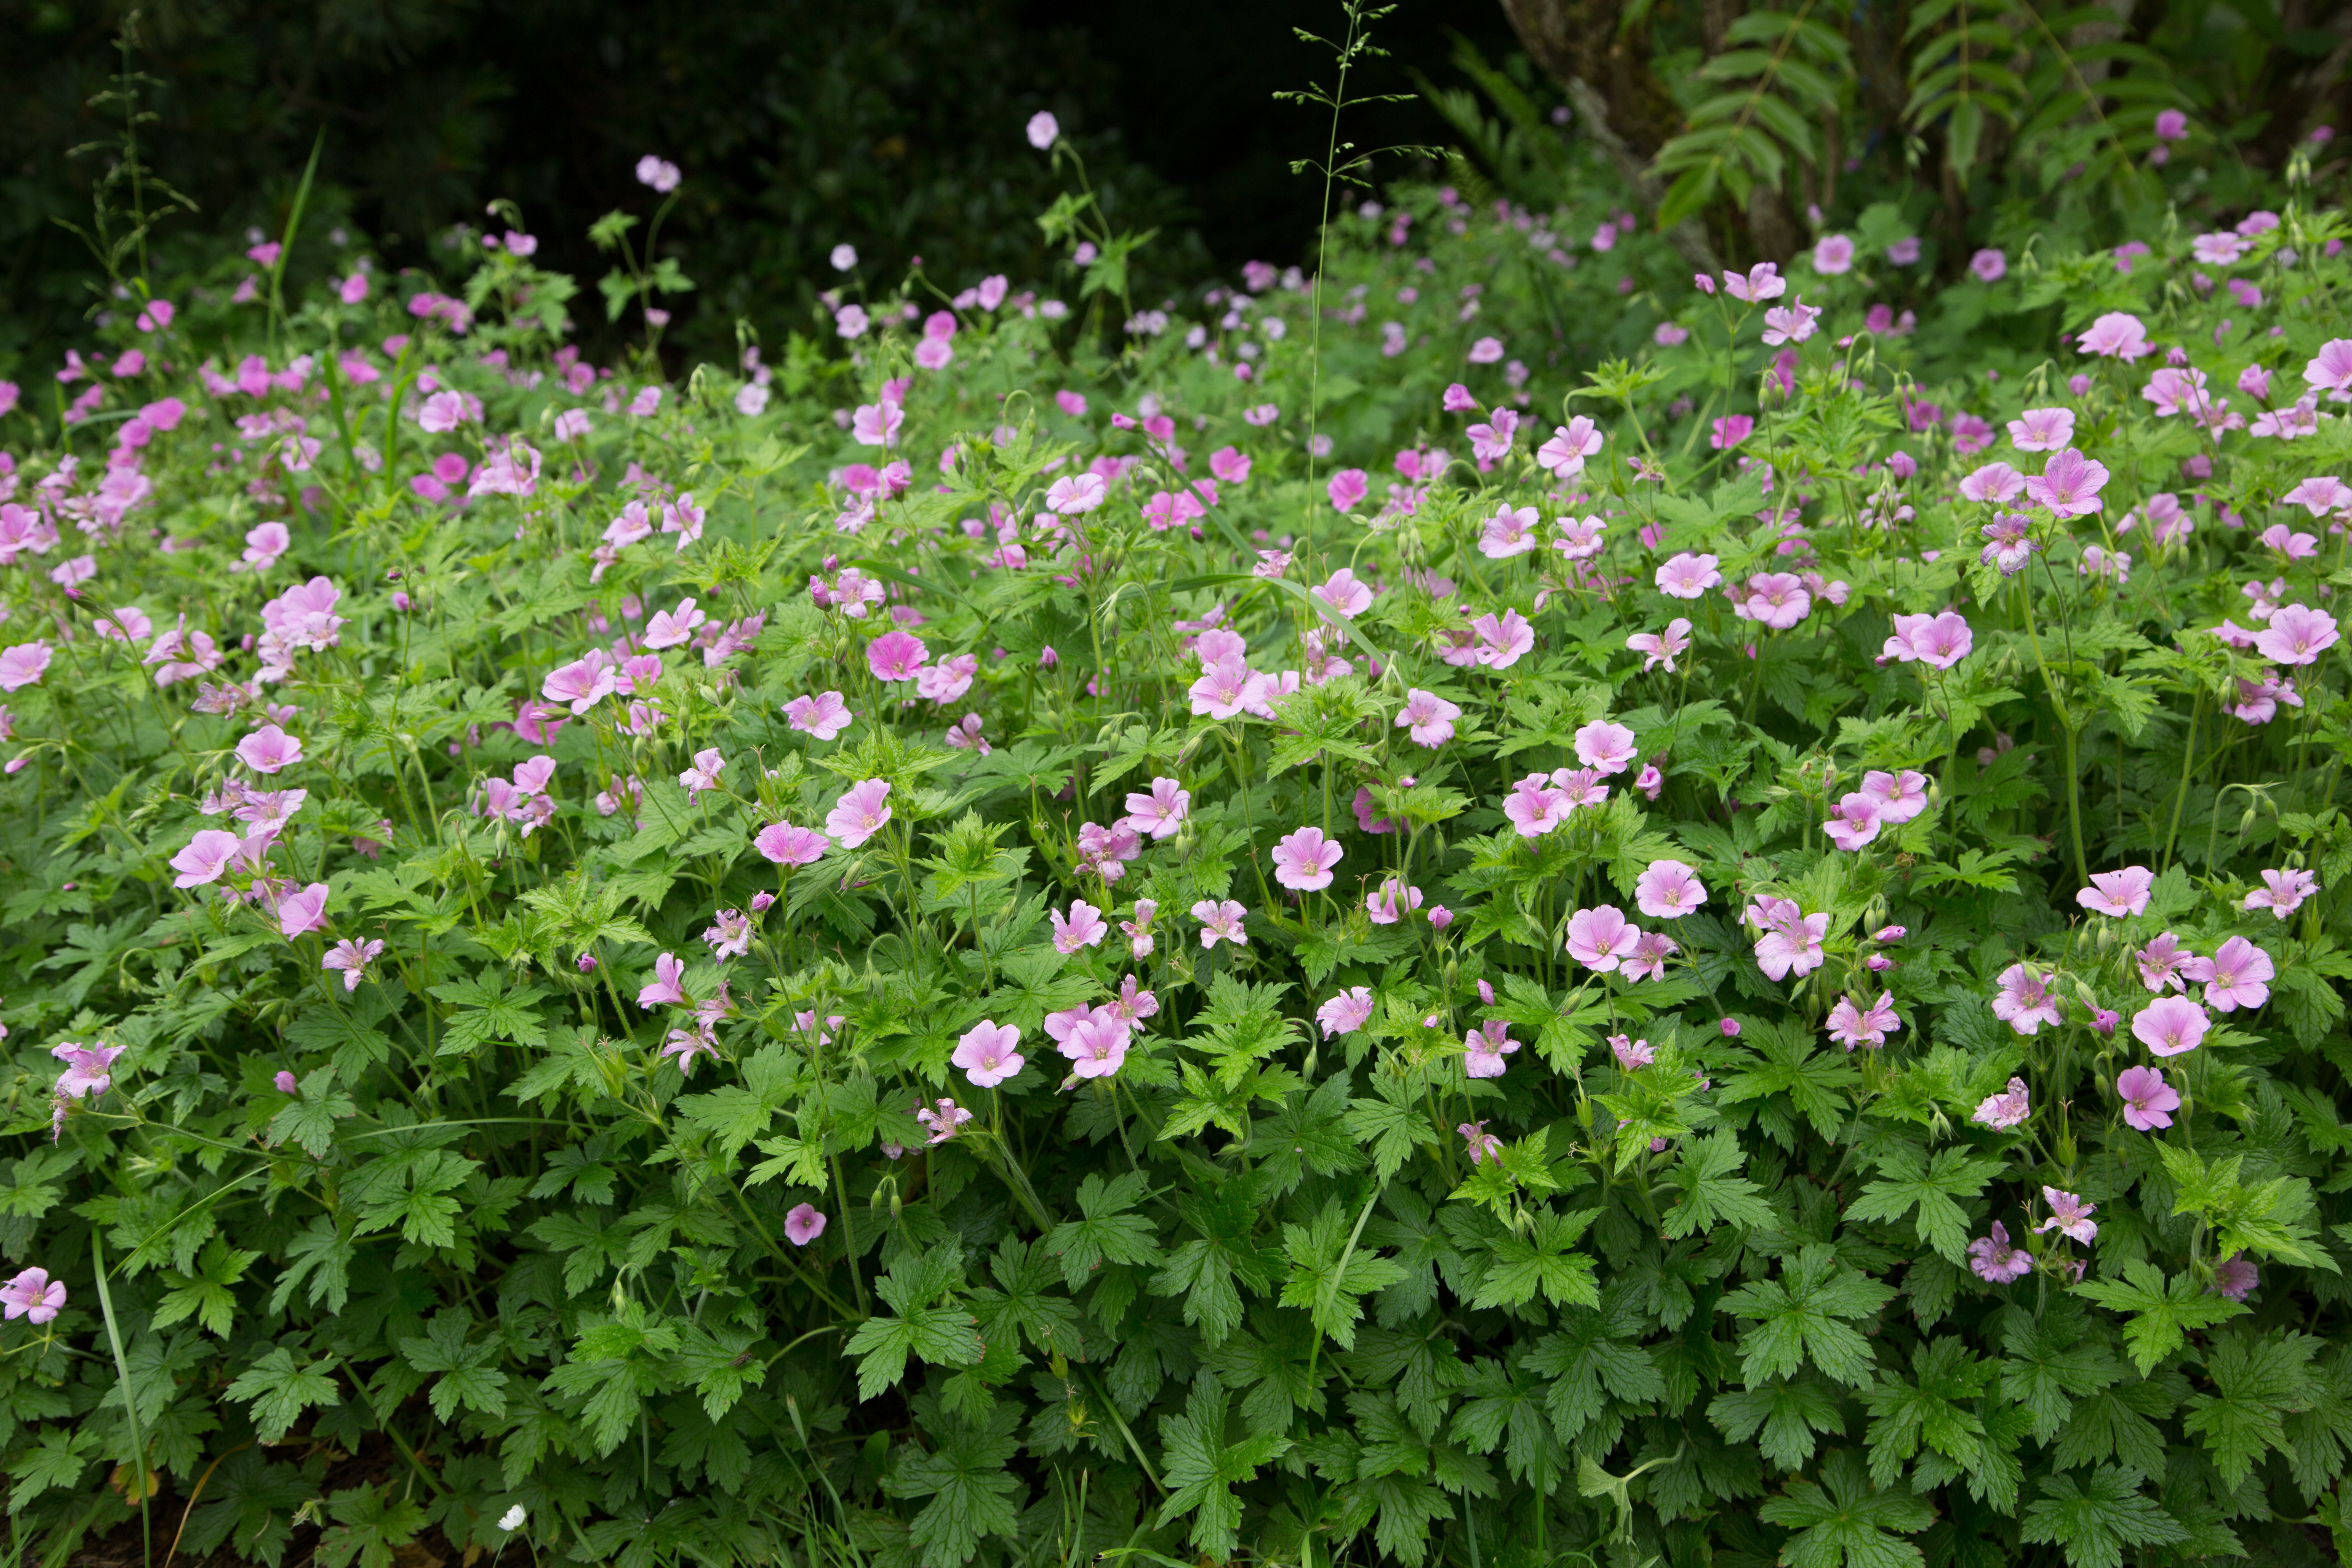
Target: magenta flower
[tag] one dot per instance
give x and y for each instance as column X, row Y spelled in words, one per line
column 1688, row 576
column 2118, row 893
column 1995, row 1260
column 1083, row 926
column 1073, row 494
column 804, row 1224
column 1832, row 255
column 2170, row 1026
column 1304, row 859
column 1477, row 1142
column 860, row 814
column 1729, row 432
column 986, row 1053
column 2069, row 485
column 1668, row 889
column 268, row 749
column 2281, row 892
column 2237, row 976
column 1600, row 938
column 1850, row 1026
column 825, row 715
column 1605, row 745
column 876, row 423
column 1221, row 919
column 1427, row 718
column 1938, row 641
column 1348, row 489
column 2069, row 1216
column 33, row 1296
column 1345, row 1013
column 2149, row 1100
column 2041, row 430
column 1990, row 266
column 666, row 986
column 207, row 855
column 1162, row 812
column 1486, row 1047
column 2296, row 635
column 1501, row 643
column 2024, row 1001
column 2012, row 546
column 352, row 958
column 785, row 845
column 896, row 655
column 1996, row 483
column 1853, row 822
column 2006, row 1110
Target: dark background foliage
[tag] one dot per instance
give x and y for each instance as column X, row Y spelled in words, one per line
column 891, row 124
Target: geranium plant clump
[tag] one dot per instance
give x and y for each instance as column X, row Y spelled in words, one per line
column 1351, row 931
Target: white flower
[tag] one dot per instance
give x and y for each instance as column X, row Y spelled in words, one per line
column 511, row 1520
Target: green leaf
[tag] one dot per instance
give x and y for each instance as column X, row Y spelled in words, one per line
column 279, row 1391
column 1330, row 1273
column 469, row 1376
column 1518, row 1266
column 2095, row 1520
column 1107, row 1233
column 1800, row 1317
column 964, row 1473
column 1202, row 1469
column 941, row 1335
column 2162, row 1314
column 1711, row 1194
column 1912, row 1181
column 2258, row 1380
column 1846, row 1521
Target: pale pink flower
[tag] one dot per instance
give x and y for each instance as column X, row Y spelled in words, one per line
column 1162, row 812
column 1762, row 282
column 2281, row 892
column 88, row 1070
column 2118, row 893
column 2069, row 485
column 1605, row 745
column 2237, row 976
column 1139, row 930
column 1600, row 938
column 823, row 716
column 1343, row 596
column 206, row 856
column 704, row 774
column 1688, row 576
column 1662, row 648
column 1304, row 859
column 1083, row 926
column 896, row 655
column 1477, row 1142
column 1502, row 642
column 2296, row 635
column 2024, row 1001
column 2069, row 1216
column 1509, row 533
column 1484, row 1049
column 986, row 1053
column 1097, row 1045
column 2320, row 495
column 1853, row 822
column 270, row 748
column 943, row 1123
column 1850, row 1026
column 582, row 683
column 1900, row 795
column 1347, row 487
column 666, row 986
column 1996, row 483
column 1668, row 889
column 784, row 845
column 1632, row 1055
column 301, row 912
column 1221, row 919
column 2170, row 1026
column 1832, row 254
column 876, row 423
column 2330, row 371
column 1076, row 493
column 33, row 1296
column 2041, row 430
column 2004, row 1110
column 2117, row 335
column 1648, row 959
column 1996, row 1260
column 1346, row 1013
column 1535, row 806
column 1779, row 599
column 1427, row 718
column 673, row 627
column 1790, row 324
column 804, row 1224
column 860, row 814
column 1580, row 538
column 1391, row 903
column 1569, row 445
column 352, row 958
column 1790, row 942
column 1938, row 641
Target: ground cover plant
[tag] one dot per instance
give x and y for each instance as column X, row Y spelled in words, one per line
column 1485, row 902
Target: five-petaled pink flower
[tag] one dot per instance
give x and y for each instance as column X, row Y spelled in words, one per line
column 986, row 1053
column 2069, row 1216
column 22, row 666
column 1304, row 859
column 1221, row 919
column 1485, row 1048
column 2237, row 976
column 784, row 845
column 1600, row 938
column 1996, row 1260
column 2069, row 485
column 804, row 1224
column 2149, row 1100
column 1082, row 927
column 1851, row 1025
column 2041, row 430
column 2006, row 1110
column 33, row 1296
column 1668, row 889
column 1162, row 812
column 2024, row 1001
column 1342, row 595
column 1345, row 1013
column 668, row 983
column 2281, row 892
column 1688, row 576
column 1605, row 745
column 896, row 655
column 860, row 814
column 1427, row 719
column 207, row 855
column 352, row 958
column 268, row 749
column 2170, row 1026
column 825, row 715
column 1477, row 1142
column 2296, row 635
column 2118, row 893
column 1791, row 940
column 1662, row 648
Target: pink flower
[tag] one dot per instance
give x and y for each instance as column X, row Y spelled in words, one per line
column 1427, row 718
column 1075, row 493
column 986, row 1054
column 2024, row 1002
column 1569, row 445
column 1600, row 938
column 1662, row 648
column 1729, row 432
column 33, row 1296
column 1790, row 941
column 2069, row 1216
column 876, row 423
column 1938, row 641
column 22, row 665
column 2163, row 963
column 860, row 814
column 1342, row 595
column 1832, row 254
column 785, row 845
column 1083, row 926
column 1997, row 483
column 1688, row 576
column 2041, row 430
column 1348, row 489
column 1762, row 282
column 1853, row 822
column 825, row 715
column 2281, row 892
column 304, row 911
column 1162, row 812
column 1632, row 1055
column 2118, row 893
column 1346, row 1013
column 1220, row 919
column 352, row 958
column 582, row 683
column 1779, row 599
column 207, row 855
column 1502, row 643
column 671, row 629
column 2320, row 495
column 1097, row 1045
column 268, row 749
column 2237, row 976
column 804, row 1224
column 1042, row 129
column 1477, row 1142
column 1668, row 889
column 2330, row 371
column 1304, row 859
column 1509, row 533
column 2170, row 1026
column 2004, row 1110
column 1990, row 266
column 704, row 774
column 1605, row 745
column 1485, row 1050
column 948, row 680
column 2069, row 485
column 666, row 986
column 1138, row 929
column 943, row 1123
column 1789, row 324
column 2235, row 1276
column 1391, row 903
column 1850, row 1026
column 88, row 1070
column 896, row 655
column 1648, row 959
column 2117, row 335
column 2296, row 635
column 1535, row 806
column 1995, row 1260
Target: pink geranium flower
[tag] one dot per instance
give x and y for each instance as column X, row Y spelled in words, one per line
column 1162, row 811
column 1605, row 745
column 352, row 958
column 1668, row 889
column 860, row 814
column 2162, row 962
column 1996, row 1260
column 2170, row 1026
column 804, row 1224
column 2237, row 976
column 1851, row 1025
column 2041, row 430
column 2149, row 1100
column 304, row 911
column 268, row 749
column 1485, row 1047
column 1600, row 938
column 1688, row 576
column 1304, row 859
column 1221, row 920
column 2069, row 485
column 1853, row 822
column 784, row 845
column 1996, row 483
column 2069, row 1216
column 823, row 716
column 1427, row 718
column 2296, row 635
column 896, row 655
column 2024, row 1001
column 1343, row 594
column 2006, row 1110
column 207, row 855
column 1662, row 648
column 1569, row 445
column 2118, row 893
column 1501, row 642
column 1346, row 1013
column 2281, row 892
column 1083, row 926
column 986, row 1053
